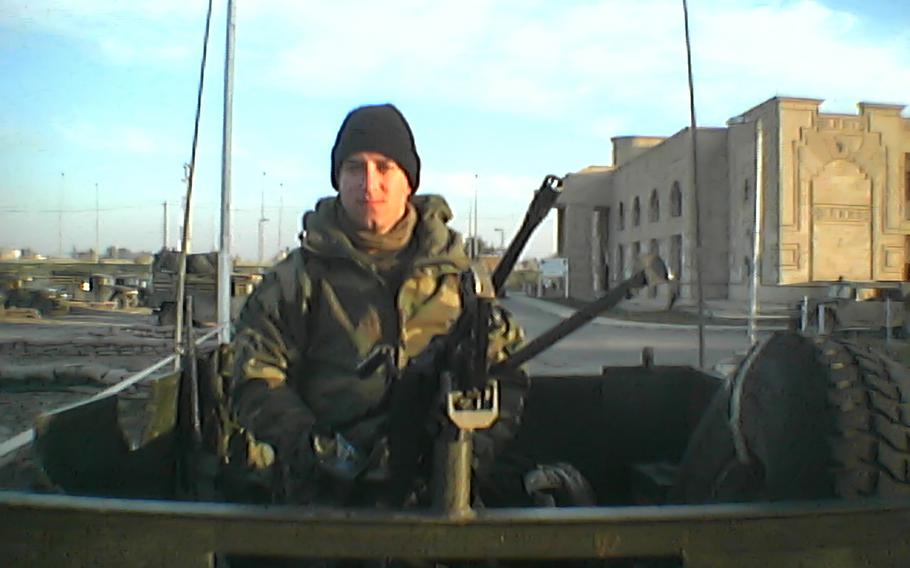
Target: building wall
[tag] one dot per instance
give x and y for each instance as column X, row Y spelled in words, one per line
column 583, row 192
column 835, row 203
column 658, row 169
column 593, row 193
column 741, row 156
column 627, row 148
column 842, row 200
column 578, row 251
column 657, row 172
column 714, row 204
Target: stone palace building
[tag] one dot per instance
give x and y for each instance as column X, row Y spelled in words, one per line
column 835, row 204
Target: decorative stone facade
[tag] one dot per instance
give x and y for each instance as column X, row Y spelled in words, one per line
column 835, row 192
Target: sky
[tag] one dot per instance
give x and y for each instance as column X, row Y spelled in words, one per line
column 98, row 98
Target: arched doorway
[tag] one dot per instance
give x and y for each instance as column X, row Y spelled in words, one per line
column 841, row 223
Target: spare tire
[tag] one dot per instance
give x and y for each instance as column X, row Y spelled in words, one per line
column 803, row 418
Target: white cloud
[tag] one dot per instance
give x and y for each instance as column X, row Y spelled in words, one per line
column 616, row 54
column 531, row 59
column 801, row 49
column 590, row 69
column 124, row 33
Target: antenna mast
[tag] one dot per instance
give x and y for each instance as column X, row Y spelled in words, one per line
column 224, row 251
column 262, row 222
column 190, row 176
column 695, row 209
column 97, row 225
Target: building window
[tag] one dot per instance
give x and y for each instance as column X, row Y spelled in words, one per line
column 746, row 190
column 636, row 252
column 675, row 200
column 653, row 248
column 602, row 218
column 636, row 212
column 603, row 231
column 654, row 207
column 600, row 249
column 676, row 257
column 622, row 217
column 620, row 262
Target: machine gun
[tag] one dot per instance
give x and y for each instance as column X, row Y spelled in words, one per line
column 472, row 405
column 454, row 363
column 453, row 373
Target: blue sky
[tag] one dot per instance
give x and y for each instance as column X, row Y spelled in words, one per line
column 103, row 92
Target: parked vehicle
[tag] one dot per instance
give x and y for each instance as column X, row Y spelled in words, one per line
column 20, row 292
column 858, row 306
column 201, row 284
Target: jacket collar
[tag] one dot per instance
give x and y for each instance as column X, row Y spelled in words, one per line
column 437, row 244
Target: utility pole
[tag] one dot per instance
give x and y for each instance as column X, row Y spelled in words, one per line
column 280, row 212
column 164, row 229
column 224, row 251
column 756, row 230
column 186, row 230
column 97, row 225
column 474, row 246
column 470, row 240
column 60, row 215
column 262, row 222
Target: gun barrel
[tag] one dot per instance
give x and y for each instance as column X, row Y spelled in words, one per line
column 543, row 201
column 559, row 331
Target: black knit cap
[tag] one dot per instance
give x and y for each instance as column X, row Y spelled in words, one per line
column 377, row 128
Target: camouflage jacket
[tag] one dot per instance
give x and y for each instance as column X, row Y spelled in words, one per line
column 319, row 312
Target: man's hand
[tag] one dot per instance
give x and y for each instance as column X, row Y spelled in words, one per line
column 336, row 457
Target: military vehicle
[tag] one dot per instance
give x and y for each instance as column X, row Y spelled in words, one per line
column 105, row 288
column 799, row 459
column 96, row 288
column 137, row 283
column 24, row 292
column 201, row 284
column 859, row 306
column 802, row 458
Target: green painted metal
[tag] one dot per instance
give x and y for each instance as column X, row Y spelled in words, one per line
column 84, row 450
column 611, row 426
column 46, row 530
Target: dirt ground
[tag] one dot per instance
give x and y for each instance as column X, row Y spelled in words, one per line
column 55, row 361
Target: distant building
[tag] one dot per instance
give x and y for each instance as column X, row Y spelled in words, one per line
column 10, row 254
column 835, row 192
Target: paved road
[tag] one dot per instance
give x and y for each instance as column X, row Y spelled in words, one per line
column 604, row 342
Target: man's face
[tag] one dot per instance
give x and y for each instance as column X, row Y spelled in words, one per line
column 374, row 191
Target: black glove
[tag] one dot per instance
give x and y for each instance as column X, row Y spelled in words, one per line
column 338, row 458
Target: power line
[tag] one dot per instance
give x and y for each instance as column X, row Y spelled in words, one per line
column 92, row 210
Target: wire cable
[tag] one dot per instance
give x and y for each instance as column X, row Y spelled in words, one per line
column 181, row 276
column 700, row 291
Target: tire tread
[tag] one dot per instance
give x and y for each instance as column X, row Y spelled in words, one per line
column 871, row 446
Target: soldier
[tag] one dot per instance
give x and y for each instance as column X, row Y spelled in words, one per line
column 377, row 265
